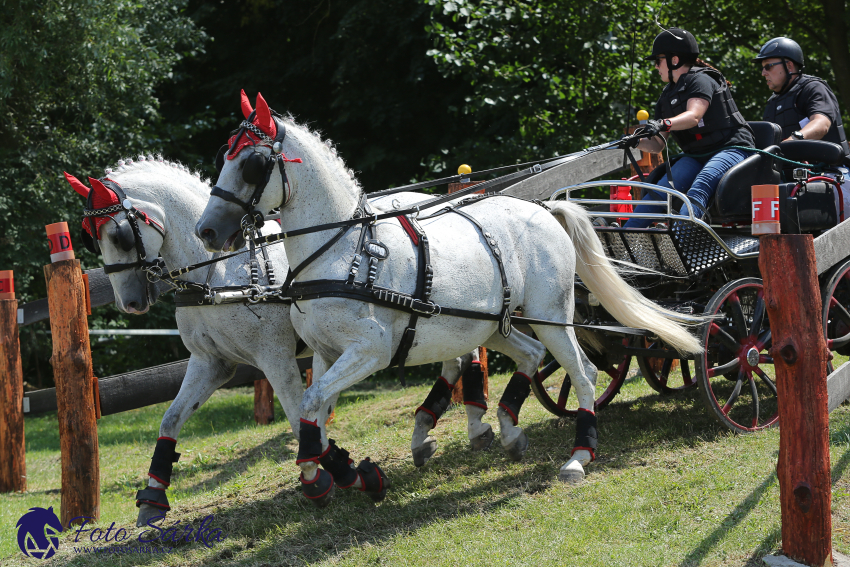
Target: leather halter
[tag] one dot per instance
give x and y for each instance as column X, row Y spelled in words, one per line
column 254, row 218
column 133, row 214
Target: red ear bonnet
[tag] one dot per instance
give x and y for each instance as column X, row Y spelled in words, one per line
column 246, row 105
column 262, row 120
column 77, row 184
column 102, row 197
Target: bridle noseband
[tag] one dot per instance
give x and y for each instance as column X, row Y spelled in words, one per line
column 257, row 170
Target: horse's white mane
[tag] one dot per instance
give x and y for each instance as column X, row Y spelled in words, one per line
column 327, row 145
column 156, row 164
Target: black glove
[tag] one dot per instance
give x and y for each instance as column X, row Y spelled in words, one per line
column 628, row 142
column 653, row 127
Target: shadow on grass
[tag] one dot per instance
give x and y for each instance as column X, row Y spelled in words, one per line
column 274, row 449
column 735, row 517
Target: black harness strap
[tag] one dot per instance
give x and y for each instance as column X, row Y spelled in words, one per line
column 505, row 314
column 424, row 279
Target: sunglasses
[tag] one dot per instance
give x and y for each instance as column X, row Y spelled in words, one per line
column 657, row 60
column 769, row 66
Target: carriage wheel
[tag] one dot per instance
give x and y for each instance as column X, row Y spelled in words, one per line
column 836, row 307
column 735, row 373
column 554, row 393
column 661, row 375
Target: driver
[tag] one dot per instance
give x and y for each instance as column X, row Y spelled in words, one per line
column 696, row 107
column 804, row 106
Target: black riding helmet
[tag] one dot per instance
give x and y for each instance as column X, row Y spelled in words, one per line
column 674, row 41
column 785, row 49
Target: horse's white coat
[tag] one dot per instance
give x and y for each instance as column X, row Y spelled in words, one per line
column 357, row 338
column 219, row 337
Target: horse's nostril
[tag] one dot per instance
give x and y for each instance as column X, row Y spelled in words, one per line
column 133, row 305
column 208, row 234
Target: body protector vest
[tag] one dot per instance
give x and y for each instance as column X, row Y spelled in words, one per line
column 719, row 120
column 782, row 110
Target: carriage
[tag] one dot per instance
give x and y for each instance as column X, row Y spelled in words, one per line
column 710, row 267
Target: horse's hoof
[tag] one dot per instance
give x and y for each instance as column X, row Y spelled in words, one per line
column 148, row 513
column 320, row 490
column 374, row 482
column 483, row 441
column 571, row 473
column 517, row 449
column 422, row 453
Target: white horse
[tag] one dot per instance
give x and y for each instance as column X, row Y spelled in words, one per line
column 218, row 337
column 541, row 250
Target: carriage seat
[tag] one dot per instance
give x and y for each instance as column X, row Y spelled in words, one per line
column 732, row 202
column 813, row 151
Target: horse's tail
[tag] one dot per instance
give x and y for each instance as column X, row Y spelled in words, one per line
column 621, row 300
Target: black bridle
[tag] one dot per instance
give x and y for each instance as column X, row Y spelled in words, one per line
column 129, row 234
column 257, row 170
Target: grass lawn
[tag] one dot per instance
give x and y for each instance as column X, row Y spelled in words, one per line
column 669, row 488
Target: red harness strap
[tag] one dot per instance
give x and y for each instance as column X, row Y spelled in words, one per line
column 409, row 229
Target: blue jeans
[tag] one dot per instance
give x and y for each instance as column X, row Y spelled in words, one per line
column 695, row 177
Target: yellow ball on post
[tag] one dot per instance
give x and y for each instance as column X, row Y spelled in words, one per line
column 642, row 116
column 464, row 169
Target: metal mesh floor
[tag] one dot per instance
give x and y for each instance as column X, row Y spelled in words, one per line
column 687, row 250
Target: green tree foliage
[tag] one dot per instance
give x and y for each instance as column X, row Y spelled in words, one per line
column 558, row 75
column 355, row 70
column 77, row 82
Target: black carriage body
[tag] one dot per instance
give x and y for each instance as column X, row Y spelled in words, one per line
column 711, row 270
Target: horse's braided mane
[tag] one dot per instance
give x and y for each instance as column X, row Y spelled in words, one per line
column 156, row 164
column 327, row 144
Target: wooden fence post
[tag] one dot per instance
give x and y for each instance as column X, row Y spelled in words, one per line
column 263, row 402
column 72, row 371
column 13, row 467
column 457, row 392
column 787, row 263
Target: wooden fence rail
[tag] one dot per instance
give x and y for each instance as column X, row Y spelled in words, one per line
column 142, row 388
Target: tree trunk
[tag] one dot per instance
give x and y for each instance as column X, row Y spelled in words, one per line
column 13, row 468
column 792, row 296
column 72, row 369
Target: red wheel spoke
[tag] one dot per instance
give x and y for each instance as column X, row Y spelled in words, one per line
column 735, row 393
column 665, row 370
column 546, row 372
column 729, row 366
column 758, row 314
column 763, row 340
column 754, row 391
column 725, row 338
column 765, row 359
column 737, row 313
column 686, row 371
column 565, row 392
column 841, row 312
column 766, row 379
